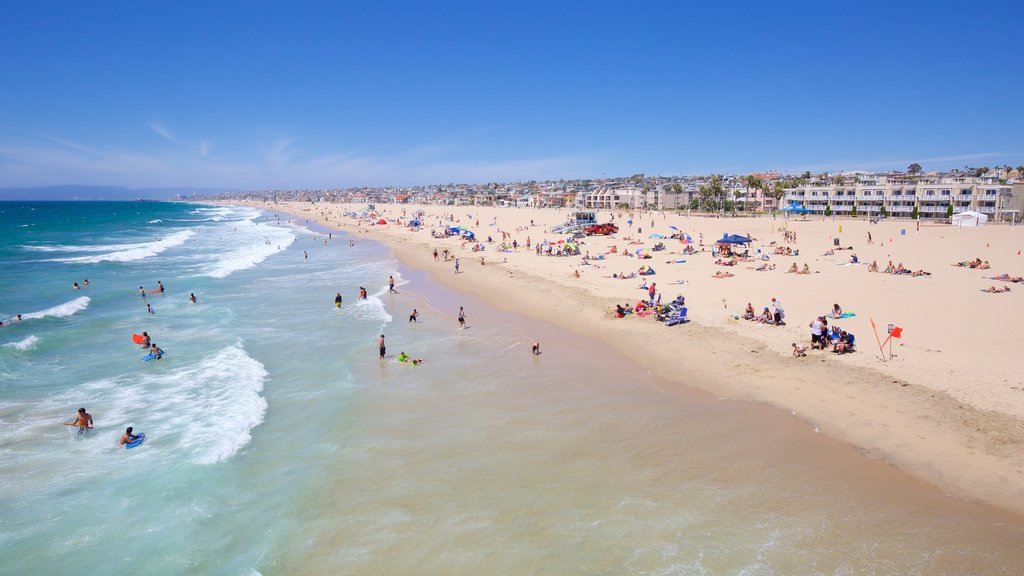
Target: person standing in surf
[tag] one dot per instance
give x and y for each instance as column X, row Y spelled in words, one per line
column 380, row 344
column 142, row 291
column 160, row 286
column 337, row 300
column 462, row 318
column 83, row 420
column 391, row 285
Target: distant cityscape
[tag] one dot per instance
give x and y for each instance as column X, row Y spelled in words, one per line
column 995, row 192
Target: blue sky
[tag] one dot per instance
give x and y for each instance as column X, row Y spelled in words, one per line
column 251, row 95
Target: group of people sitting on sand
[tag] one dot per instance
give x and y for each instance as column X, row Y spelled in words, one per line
column 897, row 269
column 976, row 263
column 786, row 251
column 794, row 270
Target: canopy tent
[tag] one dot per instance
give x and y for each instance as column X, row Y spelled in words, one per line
column 795, row 208
column 382, row 221
column 969, row 218
column 413, row 223
column 733, row 239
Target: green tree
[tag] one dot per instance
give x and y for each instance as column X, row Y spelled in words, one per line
column 914, row 214
column 949, row 209
column 914, row 168
column 1020, row 170
column 828, row 210
column 883, row 212
column 854, row 211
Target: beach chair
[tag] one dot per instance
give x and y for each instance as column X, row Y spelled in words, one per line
column 679, row 318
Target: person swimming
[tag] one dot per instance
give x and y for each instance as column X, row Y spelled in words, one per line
column 83, row 420
column 145, row 340
column 192, row 297
column 127, row 437
column 156, row 352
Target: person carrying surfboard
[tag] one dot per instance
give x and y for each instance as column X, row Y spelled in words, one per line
column 83, row 420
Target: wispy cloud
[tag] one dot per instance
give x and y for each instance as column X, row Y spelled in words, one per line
column 940, row 162
column 161, row 130
column 282, row 163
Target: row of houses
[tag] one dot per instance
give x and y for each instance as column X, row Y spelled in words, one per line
column 895, row 194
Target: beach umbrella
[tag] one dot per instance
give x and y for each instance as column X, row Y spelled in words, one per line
column 382, row 221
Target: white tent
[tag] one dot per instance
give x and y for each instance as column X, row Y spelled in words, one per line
column 969, row 218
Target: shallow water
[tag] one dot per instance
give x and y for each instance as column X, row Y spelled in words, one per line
column 278, row 442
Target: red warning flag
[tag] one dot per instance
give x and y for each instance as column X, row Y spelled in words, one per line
column 896, row 331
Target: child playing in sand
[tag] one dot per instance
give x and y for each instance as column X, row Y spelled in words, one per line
column 799, row 349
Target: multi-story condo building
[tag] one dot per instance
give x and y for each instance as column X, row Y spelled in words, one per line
column 900, row 194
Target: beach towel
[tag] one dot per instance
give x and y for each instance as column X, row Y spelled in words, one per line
column 844, row 316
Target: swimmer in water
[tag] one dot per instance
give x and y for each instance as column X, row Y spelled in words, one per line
column 142, row 291
column 76, row 286
column 337, row 300
column 149, row 309
column 85, row 282
column 403, row 357
column 160, row 286
column 192, row 297
column 145, row 340
column 83, row 420
column 155, row 350
column 127, row 437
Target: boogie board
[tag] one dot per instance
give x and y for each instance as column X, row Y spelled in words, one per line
column 138, row 338
column 152, row 356
column 138, row 441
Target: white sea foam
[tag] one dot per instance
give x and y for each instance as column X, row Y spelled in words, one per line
column 263, row 242
column 23, row 344
column 157, row 221
column 216, row 403
column 61, row 310
column 130, row 252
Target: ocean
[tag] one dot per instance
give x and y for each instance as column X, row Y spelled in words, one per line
column 277, row 441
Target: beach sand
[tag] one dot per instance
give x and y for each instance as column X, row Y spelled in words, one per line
column 947, row 408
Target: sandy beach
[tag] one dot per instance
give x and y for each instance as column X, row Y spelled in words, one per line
column 947, row 406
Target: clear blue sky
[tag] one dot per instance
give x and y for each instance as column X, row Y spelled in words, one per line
column 315, row 94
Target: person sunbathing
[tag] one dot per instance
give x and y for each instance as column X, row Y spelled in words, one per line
column 984, row 265
column 793, row 269
column 723, row 274
column 837, row 311
column 829, row 252
column 921, row 273
column 748, row 314
column 994, row 290
column 873, row 267
column 806, row 269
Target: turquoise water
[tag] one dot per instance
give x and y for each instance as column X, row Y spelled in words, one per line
column 277, row 442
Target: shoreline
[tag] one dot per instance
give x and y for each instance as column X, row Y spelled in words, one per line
column 966, row 450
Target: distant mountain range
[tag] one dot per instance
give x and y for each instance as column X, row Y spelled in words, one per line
column 103, row 193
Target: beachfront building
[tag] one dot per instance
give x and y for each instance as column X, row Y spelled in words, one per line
column 897, row 195
column 613, row 198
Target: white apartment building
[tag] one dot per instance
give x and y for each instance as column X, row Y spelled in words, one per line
column 613, row 198
column 899, row 195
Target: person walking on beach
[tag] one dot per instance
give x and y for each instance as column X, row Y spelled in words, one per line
column 462, row 318
column 413, row 316
column 456, row 264
column 391, row 285
column 380, row 344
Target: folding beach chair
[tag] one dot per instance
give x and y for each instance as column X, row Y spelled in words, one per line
column 679, row 318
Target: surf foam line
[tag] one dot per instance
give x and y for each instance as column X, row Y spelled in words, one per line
column 23, row 344
column 61, row 310
column 130, row 252
column 262, row 243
